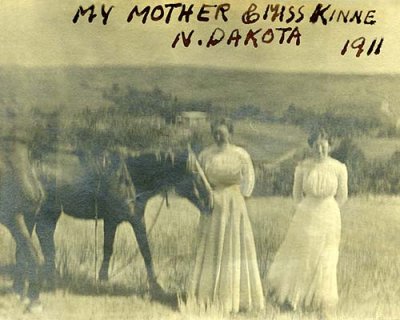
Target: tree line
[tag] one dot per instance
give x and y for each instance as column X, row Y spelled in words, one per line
column 131, row 121
column 156, row 102
column 364, row 175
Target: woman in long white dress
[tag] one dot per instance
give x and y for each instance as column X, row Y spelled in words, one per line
column 303, row 273
column 226, row 271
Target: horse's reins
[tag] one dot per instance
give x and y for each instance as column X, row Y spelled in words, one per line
column 96, row 222
column 207, row 185
column 96, row 212
column 203, row 176
column 164, row 199
column 200, row 171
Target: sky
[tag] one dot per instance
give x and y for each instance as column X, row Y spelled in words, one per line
column 40, row 33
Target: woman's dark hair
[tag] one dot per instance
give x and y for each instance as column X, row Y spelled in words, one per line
column 317, row 134
column 223, row 121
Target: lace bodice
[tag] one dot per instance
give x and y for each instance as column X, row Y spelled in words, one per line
column 321, row 180
column 229, row 166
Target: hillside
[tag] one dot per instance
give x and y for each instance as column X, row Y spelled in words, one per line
column 81, row 87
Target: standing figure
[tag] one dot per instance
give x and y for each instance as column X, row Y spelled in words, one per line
column 21, row 195
column 303, row 273
column 226, row 272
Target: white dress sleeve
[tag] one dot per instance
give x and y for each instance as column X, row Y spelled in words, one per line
column 298, row 184
column 204, row 157
column 342, row 190
column 247, row 180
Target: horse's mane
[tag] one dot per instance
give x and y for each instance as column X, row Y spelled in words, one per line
column 168, row 156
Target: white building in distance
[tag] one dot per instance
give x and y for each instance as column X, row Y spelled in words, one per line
column 191, row 118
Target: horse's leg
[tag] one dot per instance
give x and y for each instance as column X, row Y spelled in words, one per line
column 45, row 228
column 22, row 267
column 23, row 240
column 110, row 227
column 20, row 271
column 139, row 228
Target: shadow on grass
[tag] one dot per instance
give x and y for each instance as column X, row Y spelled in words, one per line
column 83, row 286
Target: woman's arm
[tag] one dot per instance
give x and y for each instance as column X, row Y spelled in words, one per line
column 248, row 176
column 200, row 167
column 342, row 191
column 298, row 184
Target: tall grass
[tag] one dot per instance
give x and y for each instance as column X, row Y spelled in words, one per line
column 368, row 270
column 96, row 131
column 99, row 130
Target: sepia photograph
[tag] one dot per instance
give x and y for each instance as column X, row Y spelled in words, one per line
column 199, row 160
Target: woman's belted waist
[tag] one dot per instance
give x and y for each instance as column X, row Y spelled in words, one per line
column 315, row 198
column 221, row 187
column 321, row 197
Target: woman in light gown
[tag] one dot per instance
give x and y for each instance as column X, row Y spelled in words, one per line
column 226, row 272
column 303, row 273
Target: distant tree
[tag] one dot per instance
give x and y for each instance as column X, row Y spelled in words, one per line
column 349, row 153
column 44, row 134
column 247, row 112
column 139, row 102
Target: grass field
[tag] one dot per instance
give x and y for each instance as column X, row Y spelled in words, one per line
column 378, row 148
column 368, row 273
column 264, row 141
column 269, row 142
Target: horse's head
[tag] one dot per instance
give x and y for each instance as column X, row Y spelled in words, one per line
column 155, row 173
column 192, row 185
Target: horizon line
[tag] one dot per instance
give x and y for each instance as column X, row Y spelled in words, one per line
column 198, row 66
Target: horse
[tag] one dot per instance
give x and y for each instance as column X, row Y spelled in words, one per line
column 115, row 190
column 21, row 195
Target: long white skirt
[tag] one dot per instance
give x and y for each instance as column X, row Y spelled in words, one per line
column 226, row 271
column 303, row 273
